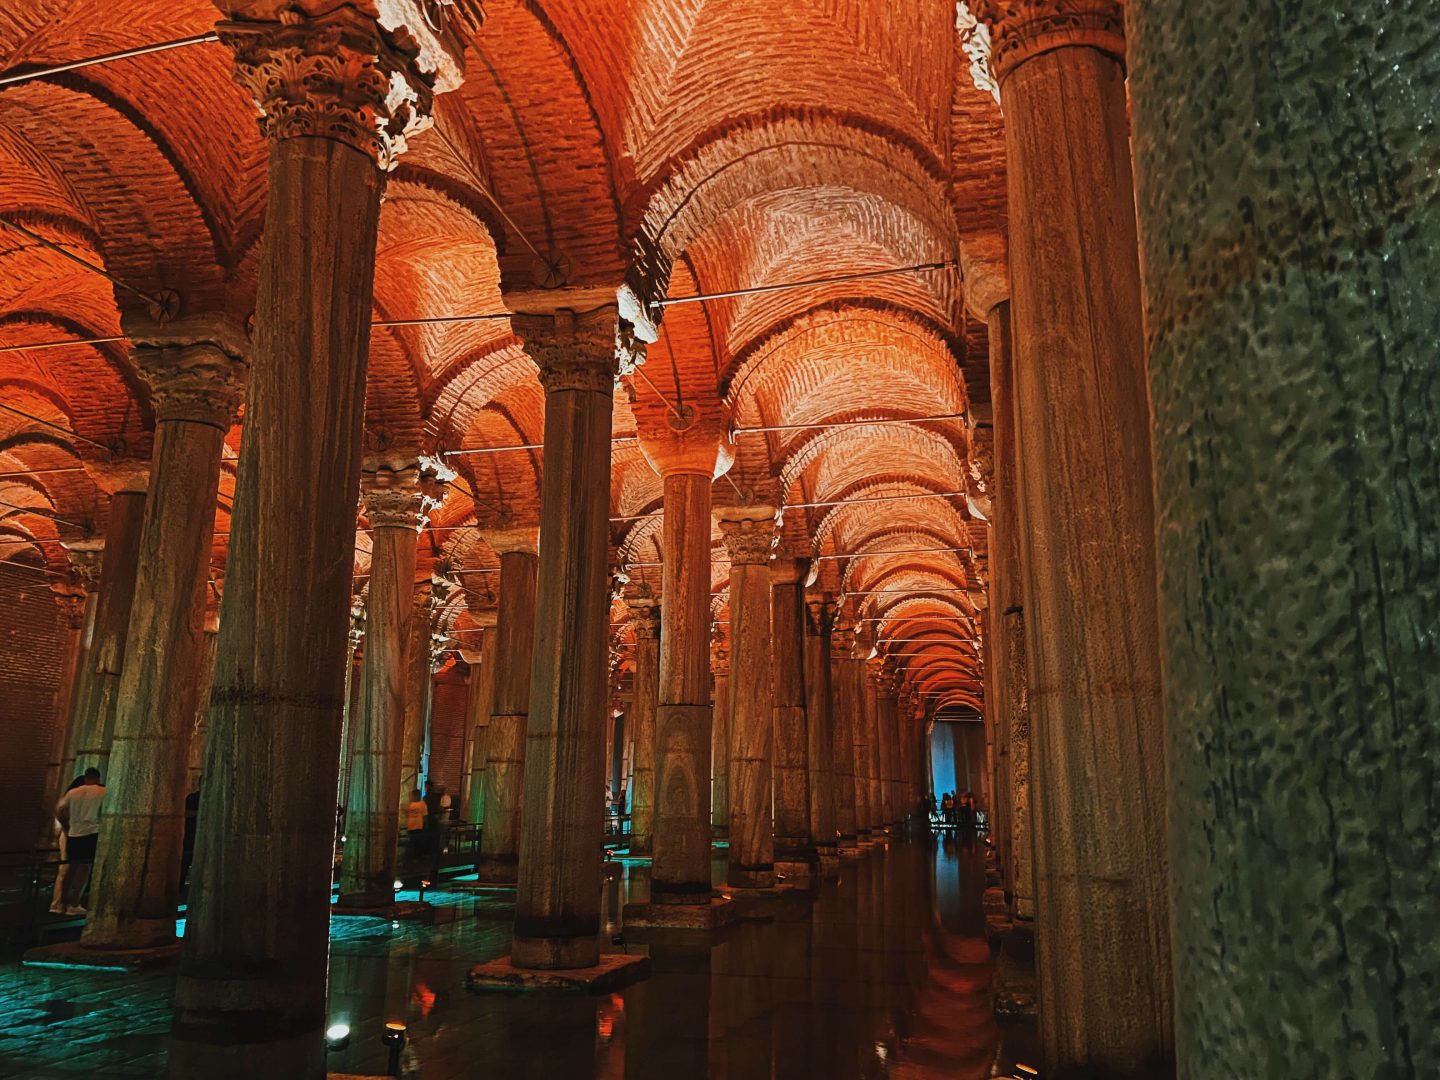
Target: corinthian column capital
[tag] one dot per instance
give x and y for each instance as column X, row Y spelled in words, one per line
column 578, row 351
column 1021, row 29
column 336, row 74
column 820, row 613
column 199, row 381
column 86, row 557
column 748, row 532
column 400, row 494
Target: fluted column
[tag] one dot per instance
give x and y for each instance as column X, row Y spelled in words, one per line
column 645, row 618
column 1082, row 424
column 794, row 846
column 557, row 915
column 842, row 713
column 820, row 733
column 747, row 532
column 195, row 388
column 509, row 713
column 1285, row 160
column 338, row 96
column 396, row 498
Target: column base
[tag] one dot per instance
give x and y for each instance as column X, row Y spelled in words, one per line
column 848, row 848
column 830, row 864
column 797, row 872
column 759, row 905
column 612, row 972
column 718, row 911
column 997, row 914
column 1016, row 992
column 72, row 954
column 501, row 870
column 409, row 910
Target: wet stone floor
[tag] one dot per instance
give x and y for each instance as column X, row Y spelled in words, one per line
column 886, row 974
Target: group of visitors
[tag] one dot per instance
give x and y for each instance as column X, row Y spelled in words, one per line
column 959, row 812
column 425, row 822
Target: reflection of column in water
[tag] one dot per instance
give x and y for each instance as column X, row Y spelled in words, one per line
column 872, row 947
column 947, row 884
column 742, row 1005
column 790, row 1030
column 667, row 1021
column 823, row 979
column 896, row 884
column 551, row 1035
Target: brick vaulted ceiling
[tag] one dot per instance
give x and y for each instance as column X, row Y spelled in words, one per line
column 674, row 147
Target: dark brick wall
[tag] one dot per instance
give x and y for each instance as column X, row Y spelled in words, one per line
column 31, row 641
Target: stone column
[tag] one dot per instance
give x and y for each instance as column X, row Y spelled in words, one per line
column 889, row 739
column 748, row 531
column 842, row 703
column 795, row 855
column 1082, row 425
column 820, row 734
column 861, row 732
column 395, row 498
column 688, row 455
column 1005, row 644
column 415, row 675
column 720, row 734
column 355, row 658
column 195, row 388
column 509, row 713
column 645, row 618
column 1290, row 227
column 96, row 722
column 479, row 703
column 338, row 97
column 869, row 675
column 557, row 914
column 79, row 601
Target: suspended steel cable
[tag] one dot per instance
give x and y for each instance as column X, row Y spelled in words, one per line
column 206, row 38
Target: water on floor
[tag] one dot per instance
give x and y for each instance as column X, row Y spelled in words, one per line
column 886, row 974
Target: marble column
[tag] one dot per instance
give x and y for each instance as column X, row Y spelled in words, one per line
column 1289, row 219
column 337, row 96
column 80, row 601
column 557, row 914
column 96, row 721
column 820, row 733
column 748, row 532
column 889, row 750
column 195, row 389
column 509, row 713
column 795, row 853
column 720, row 733
column 204, row 676
column 842, row 714
column 396, row 497
column 1005, row 642
column 688, row 456
column 645, row 618
column 869, row 675
column 1085, row 486
column 479, row 703
column 861, row 732
column 415, row 693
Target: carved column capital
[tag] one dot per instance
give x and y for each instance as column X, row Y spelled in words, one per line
column 820, row 615
column 200, row 382
column 842, row 642
column 70, row 597
column 86, row 558
column 748, row 532
column 577, row 351
column 400, row 494
column 788, row 568
column 644, row 613
column 720, row 657
column 1022, row 29
column 337, row 75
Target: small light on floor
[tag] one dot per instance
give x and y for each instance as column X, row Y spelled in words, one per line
column 399, row 885
column 337, row 1036
column 394, row 1040
column 394, row 924
column 1025, row 1071
column 881, row 1052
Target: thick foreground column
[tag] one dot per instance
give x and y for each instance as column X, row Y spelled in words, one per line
column 395, row 501
column 747, row 531
column 820, row 734
column 250, row 999
column 1087, row 541
column 842, row 713
column 96, row 722
column 196, row 390
column 1290, row 221
column 557, row 913
column 645, row 618
column 509, row 716
column 793, row 844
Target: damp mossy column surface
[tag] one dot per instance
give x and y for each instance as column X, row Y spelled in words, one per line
column 1288, row 180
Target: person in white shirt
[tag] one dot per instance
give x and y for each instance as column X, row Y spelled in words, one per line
column 79, row 814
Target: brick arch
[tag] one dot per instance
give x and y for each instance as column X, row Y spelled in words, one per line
column 831, row 458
